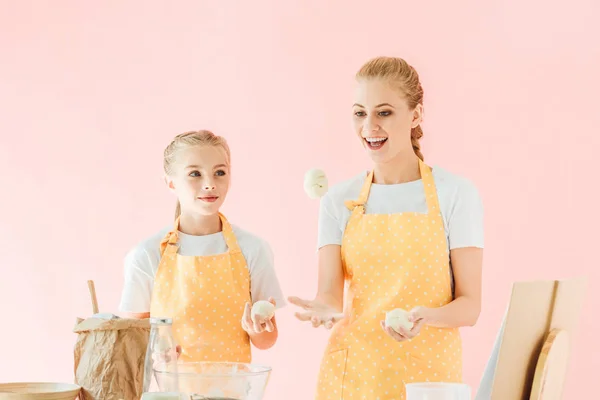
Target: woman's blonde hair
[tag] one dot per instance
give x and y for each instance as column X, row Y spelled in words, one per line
column 402, row 75
column 187, row 140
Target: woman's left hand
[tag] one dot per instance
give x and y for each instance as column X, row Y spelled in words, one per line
column 255, row 324
column 418, row 316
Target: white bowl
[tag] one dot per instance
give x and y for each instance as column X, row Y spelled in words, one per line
column 437, row 391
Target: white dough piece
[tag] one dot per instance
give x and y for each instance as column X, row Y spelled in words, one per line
column 263, row 309
column 315, row 183
column 398, row 318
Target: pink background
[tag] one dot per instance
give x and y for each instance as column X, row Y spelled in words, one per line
column 91, row 93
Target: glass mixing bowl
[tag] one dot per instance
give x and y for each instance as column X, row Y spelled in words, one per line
column 217, row 380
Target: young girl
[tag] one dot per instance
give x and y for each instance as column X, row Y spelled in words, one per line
column 203, row 273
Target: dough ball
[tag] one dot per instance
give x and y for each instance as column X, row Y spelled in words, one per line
column 263, row 309
column 315, row 183
column 398, row 318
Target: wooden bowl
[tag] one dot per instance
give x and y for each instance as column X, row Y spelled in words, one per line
column 38, row 391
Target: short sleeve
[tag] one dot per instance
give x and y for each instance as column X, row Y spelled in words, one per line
column 465, row 223
column 138, row 282
column 329, row 231
column 263, row 278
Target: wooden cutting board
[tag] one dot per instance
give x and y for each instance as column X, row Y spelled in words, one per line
column 540, row 313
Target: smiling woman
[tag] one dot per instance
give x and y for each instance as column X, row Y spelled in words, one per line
column 171, row 271
column 403, row 236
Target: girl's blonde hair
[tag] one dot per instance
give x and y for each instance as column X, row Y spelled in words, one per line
column 402, row 75
column 187, row 140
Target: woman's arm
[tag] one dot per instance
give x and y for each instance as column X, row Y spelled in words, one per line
column 328, row 306
column 330, row 290
column 465, row 308
column 465, row 236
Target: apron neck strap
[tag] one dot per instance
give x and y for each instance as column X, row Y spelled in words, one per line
column 428, row 184
column 229, row 236
column 359, row 204
column 170, row 241
column 431, row 197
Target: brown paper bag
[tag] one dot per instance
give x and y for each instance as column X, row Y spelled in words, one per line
column 109, row 358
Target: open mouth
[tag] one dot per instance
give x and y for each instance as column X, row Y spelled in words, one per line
column 375, row 143
column 209, row 199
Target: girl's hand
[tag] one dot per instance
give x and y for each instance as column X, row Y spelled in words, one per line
column 317, row 313
column 255, row 324
column 165, row 356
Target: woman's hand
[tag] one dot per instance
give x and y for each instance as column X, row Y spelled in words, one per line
column 255, row 324
column 418, row 316
column 318, row 313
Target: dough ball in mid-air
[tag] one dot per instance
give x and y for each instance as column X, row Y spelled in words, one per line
column 315, row 183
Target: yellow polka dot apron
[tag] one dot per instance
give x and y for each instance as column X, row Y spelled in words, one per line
column 391, row 261
column 205, row 296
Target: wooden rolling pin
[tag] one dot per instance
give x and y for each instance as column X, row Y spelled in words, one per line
column 92, row 289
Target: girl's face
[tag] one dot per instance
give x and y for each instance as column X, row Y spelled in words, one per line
column 200, row 179
column 383, row 120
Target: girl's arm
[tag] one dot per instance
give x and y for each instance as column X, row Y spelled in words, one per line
column 138, row 282
column 262, row 331
column 136, row 315
column 264, row 285
column 265, row 340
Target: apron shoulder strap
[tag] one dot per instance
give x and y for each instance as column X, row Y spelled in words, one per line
column 363, row 196
column 431, row 197
column 171, row 240
column 433, row 205
column 229, row 236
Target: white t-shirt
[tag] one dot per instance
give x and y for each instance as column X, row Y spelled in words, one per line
column 141, row 264
column 460, row 203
